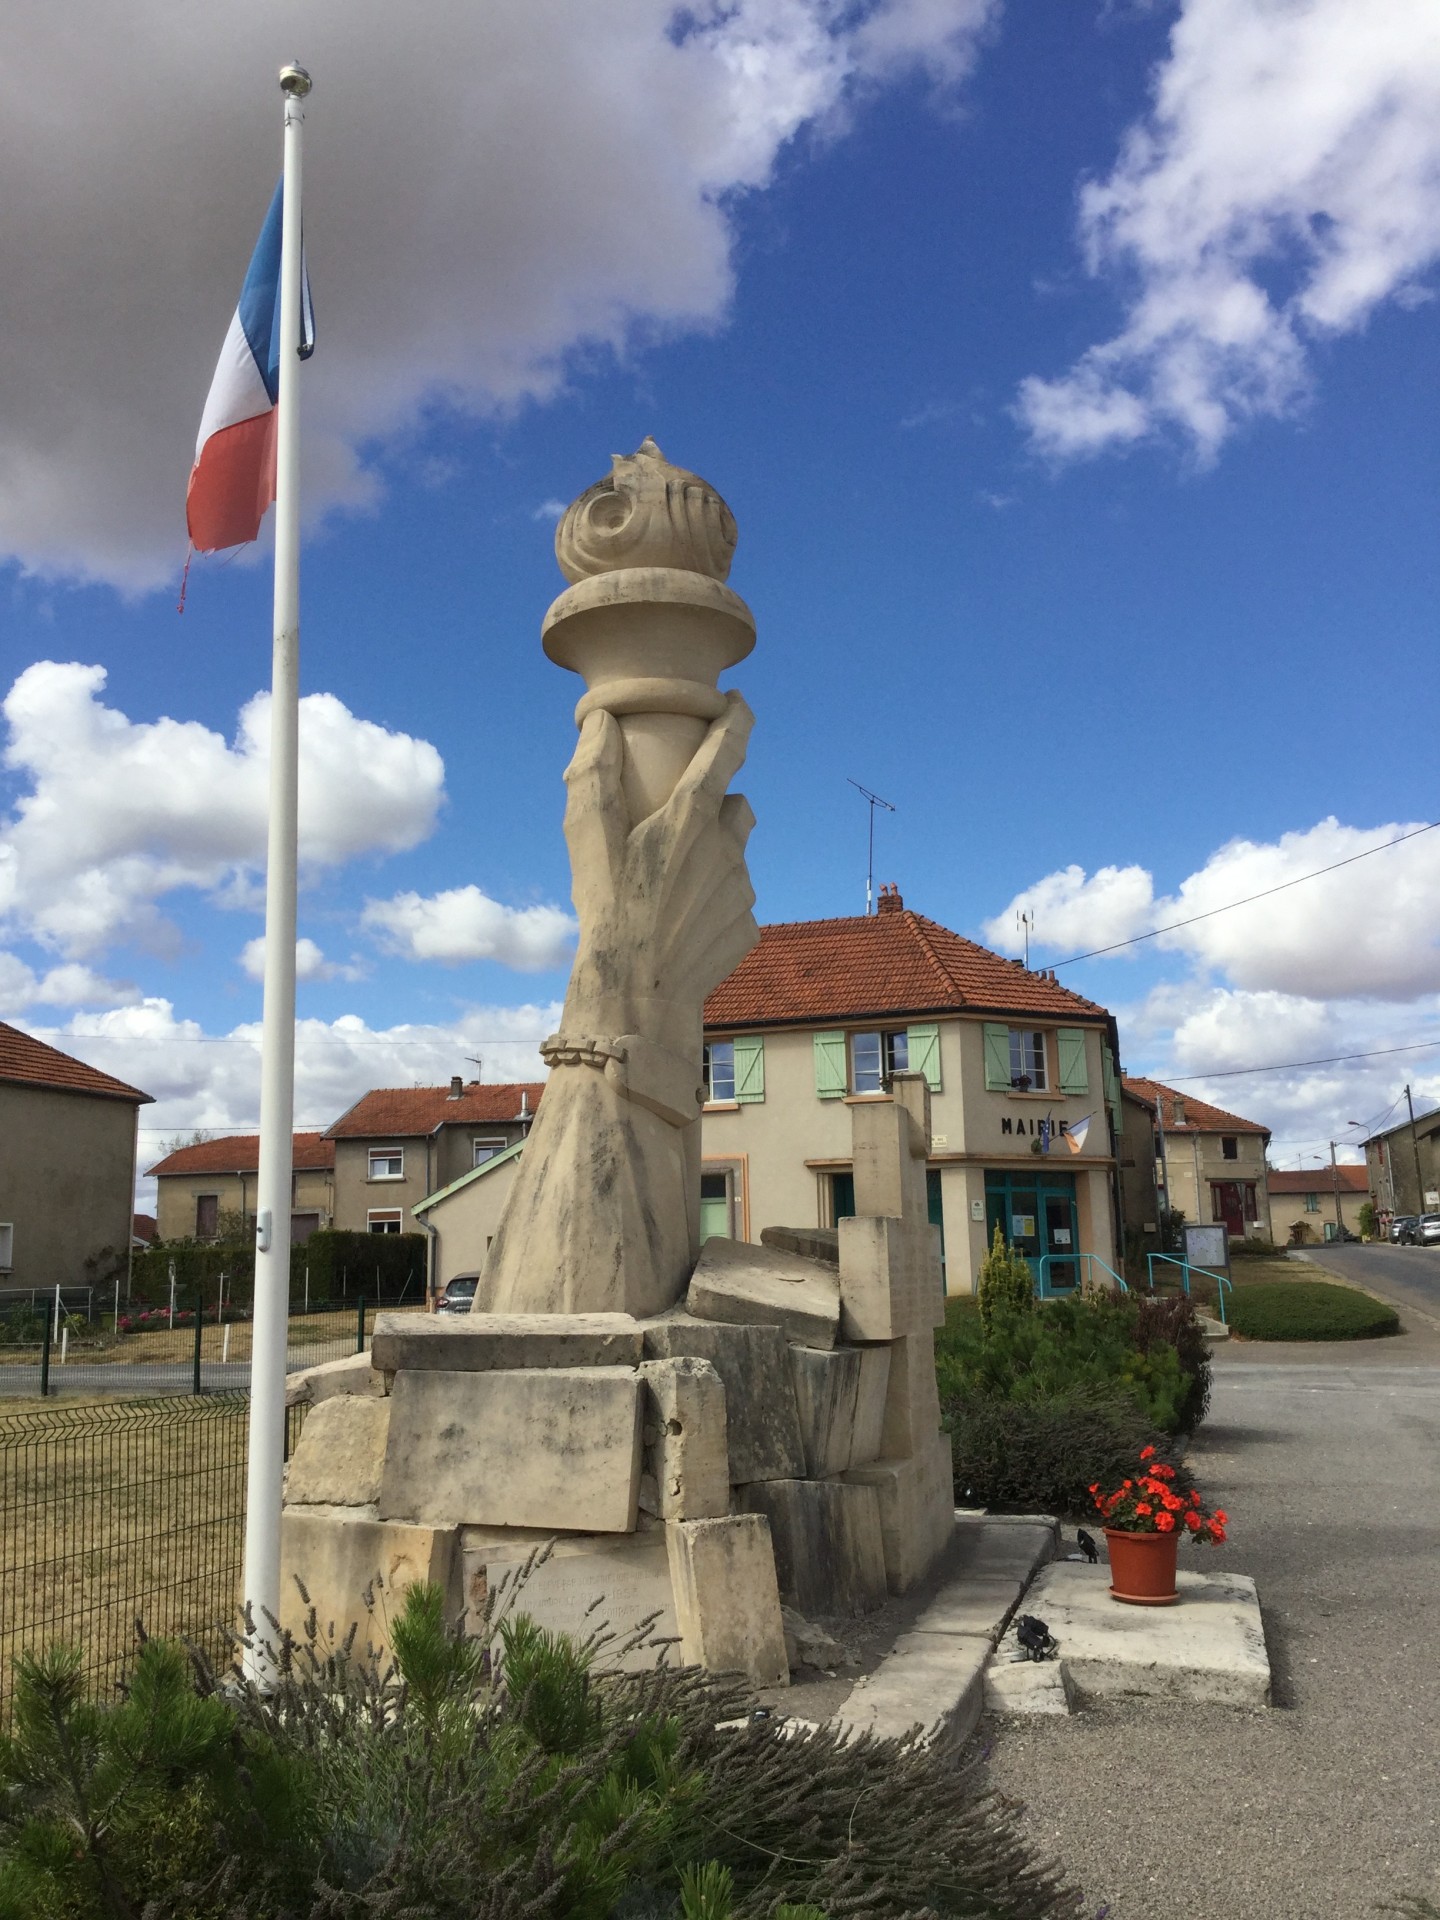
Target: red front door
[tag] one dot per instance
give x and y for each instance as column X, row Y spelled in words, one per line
column 1226, row 1205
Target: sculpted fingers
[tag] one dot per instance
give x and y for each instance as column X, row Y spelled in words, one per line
column 594, row 810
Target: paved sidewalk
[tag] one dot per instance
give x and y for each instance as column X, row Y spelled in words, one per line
column 1328, row 1461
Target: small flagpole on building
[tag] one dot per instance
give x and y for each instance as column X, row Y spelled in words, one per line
column 261, row 1581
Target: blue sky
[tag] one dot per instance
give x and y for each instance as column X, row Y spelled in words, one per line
column 1071, row 372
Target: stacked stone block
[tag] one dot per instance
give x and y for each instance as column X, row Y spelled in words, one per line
column 776, row 1437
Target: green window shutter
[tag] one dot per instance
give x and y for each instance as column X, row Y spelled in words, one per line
column 924, row 1053
column 1112, row 1090
column 1073, row 1077
column 831, row 1082
column 997, row 1057
column 749, row 1067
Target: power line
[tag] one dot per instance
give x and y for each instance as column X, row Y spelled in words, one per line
column 1264, row 894
column 1284, row 1066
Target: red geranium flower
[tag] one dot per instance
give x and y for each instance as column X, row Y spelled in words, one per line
column 1192, row 1520
column 1143, row 1506
column 1147, row 1453
column 1165, row 1522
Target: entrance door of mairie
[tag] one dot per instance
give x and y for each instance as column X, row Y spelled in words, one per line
column 1036, row 1213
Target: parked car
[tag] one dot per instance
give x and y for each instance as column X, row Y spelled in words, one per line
column 458, row 1294
column 1403, row 1229
column 1429, row 1233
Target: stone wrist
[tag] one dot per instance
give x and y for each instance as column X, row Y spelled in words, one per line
column 652, row 1076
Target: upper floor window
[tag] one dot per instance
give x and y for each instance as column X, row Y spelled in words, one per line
column 207, row 1215
column 486, row 1149
column 1229, row 1147
column 1312, row 1203
column 7, row 1246
column 875, row 1057
column 1027, row 1060
column 720, row 1071
column 387, row 1163
column 735, row 1070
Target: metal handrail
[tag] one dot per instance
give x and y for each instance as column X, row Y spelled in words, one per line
column 1222, row 1280
column 1074, row 1259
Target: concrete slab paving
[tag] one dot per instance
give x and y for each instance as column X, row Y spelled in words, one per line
column 1210, row 1647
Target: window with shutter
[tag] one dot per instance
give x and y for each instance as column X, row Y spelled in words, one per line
column 830, row 1068
column 749, row 1067
column 997, row 1058
column 924, row 1049
column 1073, row 1076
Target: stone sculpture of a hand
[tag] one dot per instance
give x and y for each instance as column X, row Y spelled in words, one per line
column 604, row 1212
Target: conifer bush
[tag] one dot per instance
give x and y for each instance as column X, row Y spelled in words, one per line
column 544, row 1786
column 1005, row 1284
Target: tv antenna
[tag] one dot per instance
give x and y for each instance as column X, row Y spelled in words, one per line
column 477, row 1063
column 1026, row 922
column 874, row 801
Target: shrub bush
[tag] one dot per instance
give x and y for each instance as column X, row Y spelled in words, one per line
column 1174, row 1322
column 1308, row 1310
column 1005, row 1284
column 1043, row 1455
column 555, row 1792
column 342, row 1264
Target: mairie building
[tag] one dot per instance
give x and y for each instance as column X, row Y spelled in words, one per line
column 1025, row 1098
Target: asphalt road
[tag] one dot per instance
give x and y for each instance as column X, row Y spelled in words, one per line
column 1329, row 1465
column 1405, row 1276
column 77, row 1380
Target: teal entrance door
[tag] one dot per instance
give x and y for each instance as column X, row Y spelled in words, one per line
column 1037, row 1215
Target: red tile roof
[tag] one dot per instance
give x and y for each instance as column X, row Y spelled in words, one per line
column 393, row 1112
column 1319, row 1180
column 240, row 1153
column 29, row 1062
column 887, row 963
column 142, row 1226
column 1200, row 1117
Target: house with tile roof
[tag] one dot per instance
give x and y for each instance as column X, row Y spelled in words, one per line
column 1211, row 1163
column 210, row 1185
column 67, row 1174
column 820, row 1014
column 1024, row 1092
column 1403, row 1163
column 1316, row 1203
column 397, row 1145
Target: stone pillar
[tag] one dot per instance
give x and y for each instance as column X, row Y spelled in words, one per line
column 604, row 1214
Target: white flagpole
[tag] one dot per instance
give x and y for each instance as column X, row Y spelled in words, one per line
column 277, row 1047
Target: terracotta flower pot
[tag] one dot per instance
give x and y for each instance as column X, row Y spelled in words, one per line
column 1142, row 1567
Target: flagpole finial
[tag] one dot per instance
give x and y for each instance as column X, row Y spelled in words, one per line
column 295, row 81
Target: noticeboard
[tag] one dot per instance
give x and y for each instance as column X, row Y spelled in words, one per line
column 1208, row 1247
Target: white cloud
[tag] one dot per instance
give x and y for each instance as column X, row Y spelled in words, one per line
column 310, row 961
column 1072, row 911
column 70, row 985
column 562, row 175
column 1370, row 930
column 202, row 1080
column 117, row 813
column 1285, row 183
column 465, row 924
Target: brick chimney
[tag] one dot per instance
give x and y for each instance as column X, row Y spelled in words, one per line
column 457, row 1087
column 890, row 900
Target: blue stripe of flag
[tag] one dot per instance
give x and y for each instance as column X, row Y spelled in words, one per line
column 260, row 300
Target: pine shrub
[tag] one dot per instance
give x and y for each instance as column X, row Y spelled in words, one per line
column 1005, row 1284
column 544, row 1786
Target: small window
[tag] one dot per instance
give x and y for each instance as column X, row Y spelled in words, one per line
column 1027, row 1060
column 483, row 1150
column 387, row 1222
column 7, row 1246
column 1252, row 1210
column 1312, row 1203
column 1229, row 1147
column 720, row 1071
column 207, row 1215
column 387, row 1163
column 875, row 1057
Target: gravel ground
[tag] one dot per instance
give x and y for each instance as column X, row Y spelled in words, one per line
column 1328, row 1461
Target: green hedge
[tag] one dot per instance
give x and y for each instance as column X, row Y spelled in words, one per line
column 1043, row 1456
column 342, row 1265
column 1308, row 1310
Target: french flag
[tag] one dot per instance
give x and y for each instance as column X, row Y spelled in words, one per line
column 233, row 479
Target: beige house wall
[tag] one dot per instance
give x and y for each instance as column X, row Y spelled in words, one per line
column 177, row 1193
column 1288, row 1208
column 791, row 1142
column 1194, row 1159
column 464, row 1223
column 67, row 1183
column 431, row 1161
